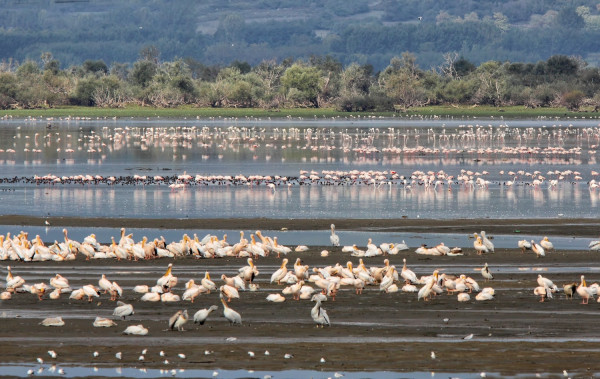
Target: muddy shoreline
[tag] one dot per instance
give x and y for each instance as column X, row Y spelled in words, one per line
column 375, row 331
column 582, row 227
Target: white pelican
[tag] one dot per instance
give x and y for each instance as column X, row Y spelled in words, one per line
column 101, row 322
column 77, row 294
column 545, row 282
column 280, row 249
column 201, row 316
column 248, row 273
column 486, row 294
column 5, row 295
column 178, row 320
column 543, row 292
column 167, row 280
column 408, row 275
column 300, row 271
column 318, row 314
column 142, row 288
column 229, row 291
column 306, row 292
column 53, row 321
column 463, row 296
column 207, row 283
column 13, row 282
column 280, row 273
column 169, row 297
column 594, row 245
column 275, row 298
column 485, row 272
column 584, row 291
column 479, row 246
column 123, row 310
column 230, row 314
column 334, row 238
column 487, row 242
column 90, row 291
column 426, row 290
column 115, row 291
column 301, row 248
column 537, row 249
column 546, row 244
column 137, row 330
column 234, row 281
column 524, row 245
column 151, row 296
column 410, row 288
column 59, row 282
column 387, row 280
column 192, row 291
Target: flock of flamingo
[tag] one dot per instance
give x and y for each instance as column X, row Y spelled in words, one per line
column 430, row 180
column 468, row 140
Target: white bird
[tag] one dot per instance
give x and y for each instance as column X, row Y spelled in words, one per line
column 584, row 291
column 408, row 275
column 485, row 272
column 545, row 282
column 318, row 314
column 537, row 249
column 53, row 321
column 137, row 330
column 334, row 238
column 101, row 322
column 546, row 244
column 123, row 310
column 231, row 315
column 524, row 245
column 487, row 242
column 275, row 298
column 486, row 294
column 178, row 320
column 119, row 355
column 201, row 316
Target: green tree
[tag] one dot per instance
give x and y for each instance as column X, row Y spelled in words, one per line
column 142, row 73
column 97, row 67
column 301, row 83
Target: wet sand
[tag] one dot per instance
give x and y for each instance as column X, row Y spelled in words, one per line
column 375, row 331
column 578, row 227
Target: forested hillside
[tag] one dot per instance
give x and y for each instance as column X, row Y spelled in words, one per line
column 357, row 31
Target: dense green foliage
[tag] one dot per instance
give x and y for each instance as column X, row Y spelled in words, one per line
column 362, row 31
column 559, row 81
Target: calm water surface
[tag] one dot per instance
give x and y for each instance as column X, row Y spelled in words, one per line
column 285, row 147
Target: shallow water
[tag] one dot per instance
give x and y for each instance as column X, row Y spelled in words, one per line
column 300, row 237
column 140, row 372
column 284, row 147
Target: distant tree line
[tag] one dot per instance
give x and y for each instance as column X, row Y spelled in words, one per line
column 362, row 31
column 320, row 81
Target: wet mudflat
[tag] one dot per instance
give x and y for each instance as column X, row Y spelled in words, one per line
column 512, row 334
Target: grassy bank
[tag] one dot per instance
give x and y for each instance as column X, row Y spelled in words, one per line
column 306, row 113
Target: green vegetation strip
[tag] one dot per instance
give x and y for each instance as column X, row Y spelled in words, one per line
column 305, row 113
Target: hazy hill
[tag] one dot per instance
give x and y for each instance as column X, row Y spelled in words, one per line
column 363, row 31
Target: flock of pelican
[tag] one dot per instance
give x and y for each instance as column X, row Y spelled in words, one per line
column 301, row 282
